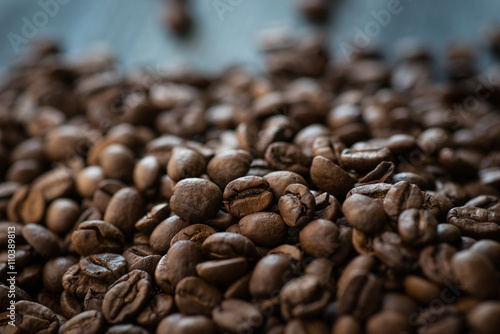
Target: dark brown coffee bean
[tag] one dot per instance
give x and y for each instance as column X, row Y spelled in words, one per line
column 421, row 290
column 485, row 202
column 196, row 200
column 185, row 163
column 345, row 245
column 155, row 216
column 387, row 322
column 222, row 271
column 55, row 183
column 484, row 318
column 447, row 319
column 475, row 222
column 304, row 326
column 62, row 215
column 124, row 209
column 475, row 273
column 247, row 195
column 228, row 245
column 228, row 165
column 263, row 228
column 297, row 205
column 54, row 270
column 96, row 236
column 329, row 177
column 319, row 238
column 402, row 196
column 93, row 300
column 105, row 191
column 26, row 206
column 364, row 213
column 117, row 162
column 91, row 322
column 77, row 284
column 44, row 241
column 364, row 160
column 146, row 175
column 126, row 297
column 184, row 324
column 163, row 233
column 269, row 275
column 157, row 309
column 347, row 324
column 237, row 316
column 417, row 227
column 286, row 156
column 328, row 147
column 180, row 262
column 399, row 303
column 381, row 173
column 377, row 191
column 327, row 207
column 87, row 180
column 280, row 180
column 70, row 305
column 303, row 297
column 389, row 249
column 141, row 257
column 32, row 317
column 197, row 233
column 24, row 171
column 488, row 248
column 105, row 267
column 435, row 262
column 194, row 296
column 448, row 233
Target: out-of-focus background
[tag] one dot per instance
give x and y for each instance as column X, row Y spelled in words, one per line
column 225, row 30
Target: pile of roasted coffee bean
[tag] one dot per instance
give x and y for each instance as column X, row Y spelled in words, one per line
column 321, row 197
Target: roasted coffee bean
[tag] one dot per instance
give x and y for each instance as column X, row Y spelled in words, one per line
column 381, row 173
column 6, row 295
column 44, row 241
column 485, row 202
column 286, row 156
column 263, row 228
column 387, row 322
column 329, row 177
column 70, row 306
column 475, row 222
column 417, row 227
column 488, row 248
column 189, row 200
column 484, row 318
column 158, row 308
column 88, row 179
column 447, row 319
column 141, row 257
column 227, row 166
column 96, row 236
column 247, row 195
column 117, row 162
column 303, row 297
column 77, row 284
column 292, row 252
column 106, row 267
column 26, row 206
column 399, row 303
column 180, row 262
column 305, row 326
column 194, row 296
column 347, row 324
column 435, row 262
column 237, row 316
column 197, row 233
column 345, row 245
column 186, row 324
column 327, row 207
column 228, row 245
column 364, row 213
column 54, row 270
column 388, row 248
column 421, row 290
column 377, row 191
column 124, row 209
column 221, row 221
column 269, row 275
column 222, row 271
column 32, row 317
column 364, row 160
column 62, row 215
column 328, row 147
column 155, row 216
column 448, row 233
column 320, row 238
column 185, row 163
column 280, row 180
column 105, row 191
column 163, row 233
column 55, row 183
column 93, row 300
column 402, row 196
column 91, row 322
column 146, row 175
column 126, row 297
column 297, row 205
column 475, row 273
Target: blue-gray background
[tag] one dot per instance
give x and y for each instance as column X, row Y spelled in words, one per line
column 132, row 28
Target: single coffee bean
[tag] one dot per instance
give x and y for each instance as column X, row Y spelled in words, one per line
column 263, row 228
column 303, row 297
column 54, row 270
column 364, row 213
column 387, row 322
column 247, row 195
column 364, row 160
column 62, row 215
column 93, row 300
column 96, row 236
column 237, row 316
column 381, row 173
column 221, row 221
column 435, row 262
column 475, row 222
column 105, row 191
column 194, row 296
column 399, row 303
column 269, row 275
column 297, row 205
column 421, row 290
column 55, row 183
column 126, row 297
column 389, row 249
column 32, row 317
column 402, row 196
column 411, row 178
column 347, row 324
column 197, row 233
column 26, row 206
column 377, row 191
column 88, row 179
column 327, row 207
column 319, row 238
column 329, row 177
column 238, row 289
column 77, row 284
column 43, row 240
column 417, row 227
column 228, row 245
column 286, row 156
column 186, row 324
column 124, row 209
column 117, row 162
column 196, row 200
column 475, row 273
column 485, row 202
column 305, row 326
column 180, row 262
column 228, row 165
column 292, row 252
column 91, row 322
column 70, row 306
column 141, row 257
column 280, row 180
column 222, row 271
column 106, row 267
column 490, row 249
column 485, row 317
column 158, row 308
column 185, row 163
column 163, row 233
column 328, row 147
column 448, row 233
column 146, row 175
column 155, row 216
